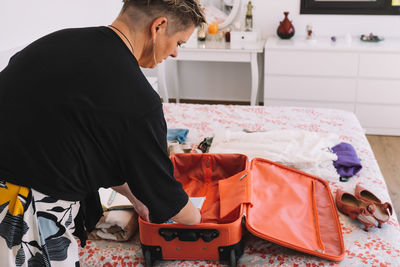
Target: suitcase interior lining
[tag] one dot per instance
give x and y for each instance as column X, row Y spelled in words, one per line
column 330, row 234
column 199, row 175
column 284, row 206
column 294, row 207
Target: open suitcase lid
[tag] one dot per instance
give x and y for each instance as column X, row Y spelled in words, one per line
column 287, row 207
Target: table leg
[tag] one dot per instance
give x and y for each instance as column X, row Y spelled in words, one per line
column 254, row 79
column 176, row 76
column 162, row 84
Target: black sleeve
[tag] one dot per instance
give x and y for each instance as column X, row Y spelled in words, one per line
column 13, row 57
column 148, row 169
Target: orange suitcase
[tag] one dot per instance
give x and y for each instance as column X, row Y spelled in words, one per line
column 280, row 204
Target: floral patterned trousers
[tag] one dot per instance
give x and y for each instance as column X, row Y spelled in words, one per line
column 35, row 229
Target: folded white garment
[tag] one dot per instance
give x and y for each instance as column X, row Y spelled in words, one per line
column 307, row 151
column 118, row 225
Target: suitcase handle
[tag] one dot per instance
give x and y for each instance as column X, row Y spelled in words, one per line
column 189, row 235
column 209, row 234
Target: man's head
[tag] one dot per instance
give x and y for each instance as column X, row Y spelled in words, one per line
column 165, row 24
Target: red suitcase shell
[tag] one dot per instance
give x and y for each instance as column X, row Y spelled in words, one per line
column 280, row 204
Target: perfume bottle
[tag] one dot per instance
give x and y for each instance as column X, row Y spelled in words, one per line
column 201, row 32
column 309, row 30
column 249, row 17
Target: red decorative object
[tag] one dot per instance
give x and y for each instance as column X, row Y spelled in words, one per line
column 285, row 29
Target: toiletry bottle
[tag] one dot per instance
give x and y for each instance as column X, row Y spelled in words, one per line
column 201, row 32
column 249, row 17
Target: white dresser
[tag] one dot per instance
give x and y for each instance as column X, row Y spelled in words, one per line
column 360, row 77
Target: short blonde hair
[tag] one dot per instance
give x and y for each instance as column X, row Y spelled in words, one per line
column 183, row 13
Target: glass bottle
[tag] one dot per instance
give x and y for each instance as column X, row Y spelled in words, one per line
column 249, row 17
column 201, row 32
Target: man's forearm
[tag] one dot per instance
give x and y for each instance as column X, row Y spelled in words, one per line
column 140, row 208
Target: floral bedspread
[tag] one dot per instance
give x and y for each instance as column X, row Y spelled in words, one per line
column 377, row 247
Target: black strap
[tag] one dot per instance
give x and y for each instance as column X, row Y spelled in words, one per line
column 122, row 35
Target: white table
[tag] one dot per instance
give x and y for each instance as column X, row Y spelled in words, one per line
column 217, row 52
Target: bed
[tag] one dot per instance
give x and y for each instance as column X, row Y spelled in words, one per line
column 377, row 247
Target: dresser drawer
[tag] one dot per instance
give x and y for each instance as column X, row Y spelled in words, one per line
column 310, row 104
column 311, row 63
column 380, row 65
column 310, row 88
column 378, row 116
column 378, row 91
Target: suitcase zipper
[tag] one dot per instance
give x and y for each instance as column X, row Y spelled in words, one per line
column 316, row 221
column 207, row 169
column 285, row 244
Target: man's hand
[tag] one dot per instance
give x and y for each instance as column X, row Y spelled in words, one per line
column 139, row 207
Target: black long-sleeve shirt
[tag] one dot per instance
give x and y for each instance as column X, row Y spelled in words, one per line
column 77, row 113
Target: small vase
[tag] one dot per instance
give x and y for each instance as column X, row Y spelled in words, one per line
column 285, row 29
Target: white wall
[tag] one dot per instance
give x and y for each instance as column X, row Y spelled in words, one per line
column 23, row 21
column 268, row 14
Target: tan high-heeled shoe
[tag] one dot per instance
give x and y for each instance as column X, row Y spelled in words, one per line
column 383, row 210
column 355, row 208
